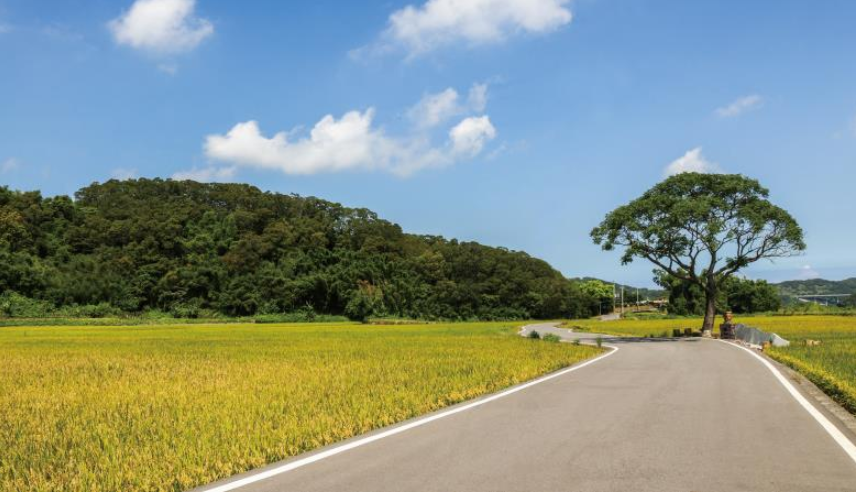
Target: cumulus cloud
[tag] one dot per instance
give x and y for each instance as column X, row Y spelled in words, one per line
column 438, row 108
column 332, row 145
column 470, row 135
column 739, row 106
column 161, row 26
column 692, row 162
column 354, row 142
column 439, row 23
column 9, row 165
column 209, row 174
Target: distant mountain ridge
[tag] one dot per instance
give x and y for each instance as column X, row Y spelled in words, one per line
column 817, row 286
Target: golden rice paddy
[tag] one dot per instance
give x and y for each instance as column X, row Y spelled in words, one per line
column 167, row 408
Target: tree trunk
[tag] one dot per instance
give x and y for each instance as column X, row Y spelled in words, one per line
column 709, row 315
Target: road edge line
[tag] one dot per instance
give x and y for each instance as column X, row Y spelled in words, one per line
column 828, row 426
column 292, row 465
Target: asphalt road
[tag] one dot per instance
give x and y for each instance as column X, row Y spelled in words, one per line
column 690, row 416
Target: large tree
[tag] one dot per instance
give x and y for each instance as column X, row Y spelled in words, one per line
column 701, row 229
column 600, row 292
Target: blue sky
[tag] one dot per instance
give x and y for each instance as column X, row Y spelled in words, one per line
column 517, row 123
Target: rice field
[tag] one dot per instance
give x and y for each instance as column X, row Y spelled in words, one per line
column 831, row 365
column 167, row 408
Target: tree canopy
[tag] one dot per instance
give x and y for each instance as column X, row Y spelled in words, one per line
column 191, row 248
column 701, row 229
column 600, row 291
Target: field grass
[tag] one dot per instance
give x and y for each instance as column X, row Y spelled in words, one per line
column 166, row 408
column 831, row 365
column 165, row 320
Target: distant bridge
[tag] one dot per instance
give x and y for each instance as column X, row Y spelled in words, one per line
column 825, row 299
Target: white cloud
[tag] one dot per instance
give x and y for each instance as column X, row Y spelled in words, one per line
column 354, row 142
column 333, row 145
column 435, row 108
column 161, row 26
column 123, row 174
column 692, row 162
column 470, row 135
column 206, row 174
column 9, row 165
column 740, row 106
column 438, row 108
column 438, row 23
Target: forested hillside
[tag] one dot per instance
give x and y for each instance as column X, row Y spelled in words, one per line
column 196, row 249
column 817, row 286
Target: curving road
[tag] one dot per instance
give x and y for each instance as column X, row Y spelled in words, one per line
column 687, row 416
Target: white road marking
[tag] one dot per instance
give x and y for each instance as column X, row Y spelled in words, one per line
column 397, row 430
column 828, row 426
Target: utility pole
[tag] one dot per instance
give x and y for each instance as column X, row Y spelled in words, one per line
column 622, row 301
column 614, row 295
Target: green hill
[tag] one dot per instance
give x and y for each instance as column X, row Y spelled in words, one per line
column 194, row 249
column 818, row 286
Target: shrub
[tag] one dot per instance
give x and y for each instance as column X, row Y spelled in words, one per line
column 100, row 310
column 305, row 315
column 155, row 314
column 549, row 337
column 534, row 335
column 359, row 308
column 14, row 305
